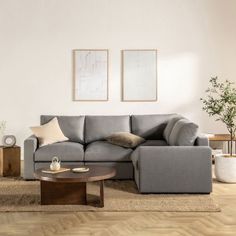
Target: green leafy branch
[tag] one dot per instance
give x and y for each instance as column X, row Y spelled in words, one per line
column 2, row 126
column 220, row 102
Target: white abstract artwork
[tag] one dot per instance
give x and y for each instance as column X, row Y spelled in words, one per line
column 90, row 75
column 139, row 75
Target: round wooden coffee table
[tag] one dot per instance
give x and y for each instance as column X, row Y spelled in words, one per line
column 69, row 188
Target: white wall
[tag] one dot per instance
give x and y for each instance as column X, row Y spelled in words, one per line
column 195, row 40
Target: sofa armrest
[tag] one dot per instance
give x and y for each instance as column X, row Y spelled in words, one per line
column 175, row 169
column 202, row 140
column 30, row 146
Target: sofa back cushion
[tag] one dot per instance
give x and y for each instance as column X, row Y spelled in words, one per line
column 71, row 126
column 170, row 126
column 184, row 133
column 150, row 126
column 100, row 127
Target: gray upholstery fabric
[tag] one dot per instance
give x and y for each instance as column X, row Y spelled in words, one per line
column 124, row 170
column 71, row 126
column 202, row 140
column 174, row 169
column 136, row 175
column 184, row 133
column 104, row 151
column 155, row 166
column 66, row 151
column 150, row 126
column 100, row 127
column 30, row 146
column 134, row 156
column 169, row 127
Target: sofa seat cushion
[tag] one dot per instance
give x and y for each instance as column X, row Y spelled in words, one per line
column 154, row 143
column 66, row 151
column 104, row 151
column 135, row 154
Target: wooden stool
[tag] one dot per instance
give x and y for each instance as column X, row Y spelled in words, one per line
column 10, row 161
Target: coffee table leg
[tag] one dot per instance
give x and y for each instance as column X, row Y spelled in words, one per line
column 60, row 193
column 86, row 197
column 102, row 193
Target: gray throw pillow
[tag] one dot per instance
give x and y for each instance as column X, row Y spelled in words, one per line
column 125, row 139
column 169, row 127
column 184, row 133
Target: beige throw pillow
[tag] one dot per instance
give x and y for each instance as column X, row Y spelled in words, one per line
column 125, row 139
column 49, row 133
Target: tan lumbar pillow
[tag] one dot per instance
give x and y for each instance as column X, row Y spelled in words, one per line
column 49, row 133
column 125, row 139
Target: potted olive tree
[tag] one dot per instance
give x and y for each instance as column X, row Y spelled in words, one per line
column 220, row 102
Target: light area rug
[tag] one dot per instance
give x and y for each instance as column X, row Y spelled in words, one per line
column 24, row 196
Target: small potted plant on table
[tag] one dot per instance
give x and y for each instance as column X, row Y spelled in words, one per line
column 220, row 102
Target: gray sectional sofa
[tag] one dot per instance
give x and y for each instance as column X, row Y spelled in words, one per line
column 155, row 166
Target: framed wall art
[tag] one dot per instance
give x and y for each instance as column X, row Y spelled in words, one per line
column 90, row 74
column 139, row 75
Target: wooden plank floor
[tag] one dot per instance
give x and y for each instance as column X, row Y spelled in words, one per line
column 128, row 223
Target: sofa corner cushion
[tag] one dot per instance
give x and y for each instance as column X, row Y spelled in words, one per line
column 71, row 126
column 104, row 151
column 184, row 133
column 66, row 151
column 150, row 126
column 99, row 127
column 169, row 126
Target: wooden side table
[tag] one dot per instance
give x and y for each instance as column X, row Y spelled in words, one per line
column 223, row 138
column 10, row 161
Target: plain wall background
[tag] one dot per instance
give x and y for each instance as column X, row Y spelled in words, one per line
column 195, row 40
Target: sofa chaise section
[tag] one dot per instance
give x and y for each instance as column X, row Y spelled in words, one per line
column 173, row 169
column 160, row 168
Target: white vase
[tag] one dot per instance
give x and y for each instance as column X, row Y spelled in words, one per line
column 225, row 168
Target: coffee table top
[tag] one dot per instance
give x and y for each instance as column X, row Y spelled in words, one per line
column 95, row 173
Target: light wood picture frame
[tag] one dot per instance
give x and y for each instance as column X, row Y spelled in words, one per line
column 139, row 75
column 90, row 74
